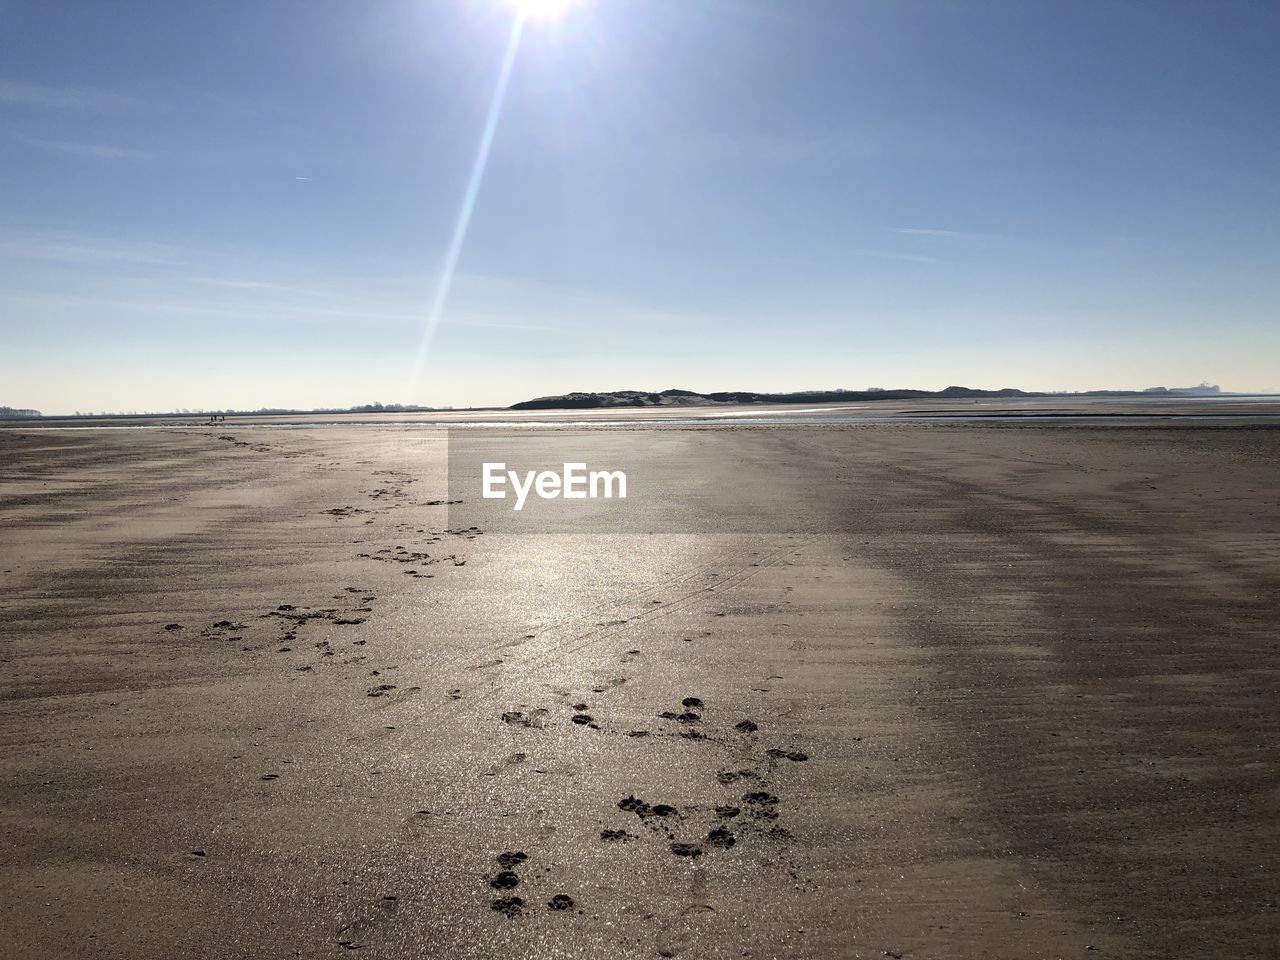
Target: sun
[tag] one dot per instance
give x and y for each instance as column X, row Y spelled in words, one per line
column 542, row 9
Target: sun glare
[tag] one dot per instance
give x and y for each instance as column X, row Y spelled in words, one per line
column 542, row 9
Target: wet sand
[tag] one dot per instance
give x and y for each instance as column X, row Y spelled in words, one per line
column 998, row 690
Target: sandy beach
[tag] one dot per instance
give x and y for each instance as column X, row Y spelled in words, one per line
column 998, row 689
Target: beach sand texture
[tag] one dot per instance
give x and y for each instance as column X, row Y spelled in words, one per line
column 996, row 690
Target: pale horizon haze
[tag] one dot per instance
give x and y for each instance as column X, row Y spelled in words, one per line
column 235, row 206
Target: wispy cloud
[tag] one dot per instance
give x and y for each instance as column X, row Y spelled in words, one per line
column 256, row 311
column 892, row 255
column 937, row 234
column 93, row 151
column 506, row 325
column 717, row 148
column 89, row 99
column 79, row 248
column 266, row 286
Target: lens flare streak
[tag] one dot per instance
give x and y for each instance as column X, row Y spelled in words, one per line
column 454, row 252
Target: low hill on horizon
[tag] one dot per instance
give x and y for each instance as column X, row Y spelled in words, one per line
column 687, row 398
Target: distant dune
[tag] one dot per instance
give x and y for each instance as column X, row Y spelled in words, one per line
column 688, row 398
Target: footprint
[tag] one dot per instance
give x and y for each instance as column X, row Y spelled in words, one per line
column 643, row 810
column 686, row 849
column 510, row 906
column 795, row 755
column 517, row 717
column 722, row 838
column 763, row 804
column 561, row 901
column 633, row 804
column 506, row 880
column 693, row 703
column 512, row 859
column 351, row 936
column 746, row 726
column 687, row 717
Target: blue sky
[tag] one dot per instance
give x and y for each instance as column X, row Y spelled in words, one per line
column 236, row 205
